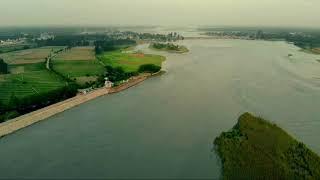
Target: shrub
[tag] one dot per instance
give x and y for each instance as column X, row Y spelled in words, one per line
column 149, row 68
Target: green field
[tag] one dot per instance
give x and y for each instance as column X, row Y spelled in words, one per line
column 34, row 79
column 78, row 70
column 28, row 74
column 130, row 62
column 257, row 149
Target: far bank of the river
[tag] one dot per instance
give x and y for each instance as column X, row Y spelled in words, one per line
column 26, row 120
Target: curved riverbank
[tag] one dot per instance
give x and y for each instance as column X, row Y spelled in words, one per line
column 26, row 120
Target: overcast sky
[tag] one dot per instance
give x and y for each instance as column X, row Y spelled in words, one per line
column 161, row 12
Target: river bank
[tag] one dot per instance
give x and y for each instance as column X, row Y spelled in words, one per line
column 26, row 120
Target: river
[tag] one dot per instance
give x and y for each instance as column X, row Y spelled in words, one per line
column 164, row 128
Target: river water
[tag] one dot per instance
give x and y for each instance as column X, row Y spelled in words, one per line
column 164, row 128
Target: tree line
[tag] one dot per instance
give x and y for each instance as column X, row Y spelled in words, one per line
column 112, row 44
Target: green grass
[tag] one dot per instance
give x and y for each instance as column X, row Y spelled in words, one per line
column 34, row 79
column 257, row 149
column 130, row 62
column 76, row 69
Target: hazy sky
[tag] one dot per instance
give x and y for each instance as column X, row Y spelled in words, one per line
column 160, row 12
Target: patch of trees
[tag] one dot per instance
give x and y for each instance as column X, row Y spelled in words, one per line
column 149, row 68
column 112, row 44
column 167, row 46
column 171, row 37
column 18, row 106
column 3, row 67
column 116, row 74
column 304, row 41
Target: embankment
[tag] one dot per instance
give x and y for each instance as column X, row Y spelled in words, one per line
column 26, row 120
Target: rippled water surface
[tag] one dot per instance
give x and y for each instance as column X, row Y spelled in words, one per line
column 165, row 127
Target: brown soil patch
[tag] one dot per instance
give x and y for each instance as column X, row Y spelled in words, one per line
column 138, row 55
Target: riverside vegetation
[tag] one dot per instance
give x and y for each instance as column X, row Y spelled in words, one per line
column 257, row 149
column 170, row 47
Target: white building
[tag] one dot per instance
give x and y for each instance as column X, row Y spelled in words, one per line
column 107, row 83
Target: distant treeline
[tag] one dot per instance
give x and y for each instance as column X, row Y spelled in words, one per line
column 65, row 40
column 171, row 37
column 301, row 39
column 112, row 44
column 18, row 106
column 103, row 41
column 305, row 42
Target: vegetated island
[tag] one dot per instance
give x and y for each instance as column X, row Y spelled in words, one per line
column 257, row 149
column 169, row 47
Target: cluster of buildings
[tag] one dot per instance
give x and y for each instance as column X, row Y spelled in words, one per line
column 45, row 36
column 9, row 42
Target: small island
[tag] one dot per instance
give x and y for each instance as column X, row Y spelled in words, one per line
column 257, row 149
column 169, row 47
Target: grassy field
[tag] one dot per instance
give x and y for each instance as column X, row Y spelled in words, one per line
column 28, row 56
column 81, row 71
column 257, row 149
column 28, row 74
column 78, row 53
column 34, row 79
column 130, row 62
column 78, row 64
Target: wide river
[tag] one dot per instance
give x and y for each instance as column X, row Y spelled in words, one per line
column 165, row 127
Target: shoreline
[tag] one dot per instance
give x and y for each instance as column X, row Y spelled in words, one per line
column 31, row 118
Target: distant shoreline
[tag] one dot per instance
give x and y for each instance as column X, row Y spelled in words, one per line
column 29, row 119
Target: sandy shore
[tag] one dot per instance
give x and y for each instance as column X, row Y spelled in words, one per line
column 26, row 120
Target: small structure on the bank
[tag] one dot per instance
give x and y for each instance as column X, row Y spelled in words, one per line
column 85, row 91
column 107, row 83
